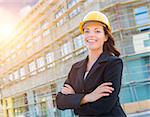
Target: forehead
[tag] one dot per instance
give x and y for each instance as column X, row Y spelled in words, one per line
column 93, row 24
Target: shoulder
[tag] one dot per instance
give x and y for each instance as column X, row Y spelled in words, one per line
column 78, row 64
column 112, row 59
column 114, row 66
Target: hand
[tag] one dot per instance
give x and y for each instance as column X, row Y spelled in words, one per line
column 104, row 89
column 101, row 91
column 67, row 89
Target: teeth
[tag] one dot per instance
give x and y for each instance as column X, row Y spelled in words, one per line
column 91, row 40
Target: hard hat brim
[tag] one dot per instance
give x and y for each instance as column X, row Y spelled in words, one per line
column 83, row 23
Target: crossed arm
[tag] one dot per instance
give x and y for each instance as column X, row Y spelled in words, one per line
column 103, row 90
column 93, row 102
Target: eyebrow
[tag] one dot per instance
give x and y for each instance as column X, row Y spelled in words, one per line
column 97, row 28
column 94, row 28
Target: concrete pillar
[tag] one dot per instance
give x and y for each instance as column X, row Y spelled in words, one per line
column 4, row 108
column 10, row 107
column 31, row 103
column 50, row 106
column 37, row 105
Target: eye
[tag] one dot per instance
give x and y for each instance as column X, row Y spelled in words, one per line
column 86, row 31
column 97, row 31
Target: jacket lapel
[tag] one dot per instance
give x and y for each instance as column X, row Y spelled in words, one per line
column 102, row 58
column 81, row 69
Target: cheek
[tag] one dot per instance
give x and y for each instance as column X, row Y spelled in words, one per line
column 85, row 38
column 101, row 41
column 102, row 38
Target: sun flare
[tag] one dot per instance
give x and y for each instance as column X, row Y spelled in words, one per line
column 7, row 24
column 6, row 31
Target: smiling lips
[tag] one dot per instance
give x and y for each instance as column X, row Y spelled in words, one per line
column 91, row 40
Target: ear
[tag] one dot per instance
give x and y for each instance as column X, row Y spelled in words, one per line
column 106, row 38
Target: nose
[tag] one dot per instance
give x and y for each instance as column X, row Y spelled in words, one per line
column 91, row 33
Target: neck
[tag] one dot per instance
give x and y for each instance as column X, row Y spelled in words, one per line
column 93, row 55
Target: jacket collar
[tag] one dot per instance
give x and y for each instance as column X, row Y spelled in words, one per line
column 102, row 58
column 81, row 67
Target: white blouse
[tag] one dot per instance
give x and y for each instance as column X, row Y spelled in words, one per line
column 85, row 74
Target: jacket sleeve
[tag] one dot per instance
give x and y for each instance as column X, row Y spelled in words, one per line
column 70, row 101
column 113, row 73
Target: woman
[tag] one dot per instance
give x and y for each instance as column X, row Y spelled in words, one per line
column 94, row 83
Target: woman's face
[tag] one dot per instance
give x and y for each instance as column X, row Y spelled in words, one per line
column 94, row 36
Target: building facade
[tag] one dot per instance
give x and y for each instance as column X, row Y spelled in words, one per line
column 47, row 41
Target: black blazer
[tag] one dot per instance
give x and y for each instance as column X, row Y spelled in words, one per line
column 106, row 68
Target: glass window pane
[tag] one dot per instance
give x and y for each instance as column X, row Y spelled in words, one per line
column 66, row 48
column 32, row 66
column 16, row 75
column 22, row 72
column 50, row 57
column 40, row 62
column 78, row 41
column 141, row 15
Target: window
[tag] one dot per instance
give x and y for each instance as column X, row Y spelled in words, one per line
column 40, row 63
column 50, row 59
column 37, row 39
column 78, row 41
column 11, row 77
column 75, row 11
column 46, row 32
column 22, row 72
column 89, row 1
column 147, row 66
column 72, row 3
column 16, row 75
column 141, row 17
column 66, row 48
column 37, row 30
column 53, row 90
column 58, row 14
column 147, row 43
column 32, row 68
column 44, row 25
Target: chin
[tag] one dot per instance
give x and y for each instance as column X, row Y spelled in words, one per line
column 93, row 48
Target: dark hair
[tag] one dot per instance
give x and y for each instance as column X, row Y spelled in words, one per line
column 109, row 45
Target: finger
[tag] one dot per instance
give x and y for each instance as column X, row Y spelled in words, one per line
column 104, row 94
column 107, row 87
column 69, row 89
column 65, row 91
column 110, row 88
column 106, row 84
column 107, row 90
column 101, row 88
column 66, row 85
column 104, row 89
